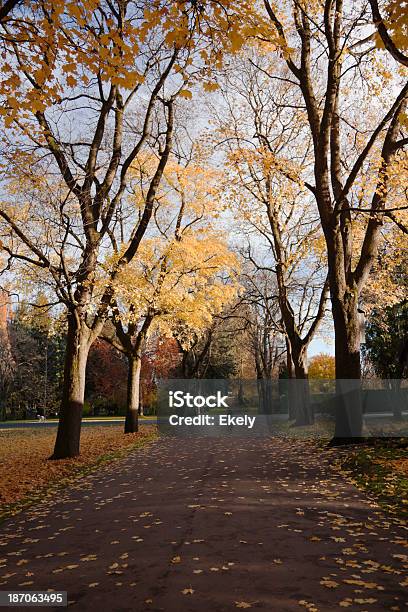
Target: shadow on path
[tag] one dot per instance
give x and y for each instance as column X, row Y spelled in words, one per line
column 211, row 525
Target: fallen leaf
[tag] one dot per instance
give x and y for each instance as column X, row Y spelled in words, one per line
column 188, row 591
column 329, row 584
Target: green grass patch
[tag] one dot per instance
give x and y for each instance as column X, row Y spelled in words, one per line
column 380, row 467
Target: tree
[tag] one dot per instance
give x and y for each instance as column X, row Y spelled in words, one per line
column 106, row 374
column 322, row 366
column 36, row 347
column 216, row 350
column 269, row 195
column 177, row 280
column 265, row 330
column 160, row 360
column 385, row 344
column 125, row 62
column 383, row 298
column 315, row 42
column 115, row 59
column 7, row 365
column 171, row 285
column 387, row 283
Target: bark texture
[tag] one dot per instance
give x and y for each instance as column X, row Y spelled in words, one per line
column 133, row 394
column 67, row 443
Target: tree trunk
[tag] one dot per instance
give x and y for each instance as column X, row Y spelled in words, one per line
column 133, row 394
column 349, row 414
column 241, row 397
column 291, row 401
column 261, row 398
column 268, row 402
column 264, row 396
column 76, row 356
column 303, row 409
column 397, row 398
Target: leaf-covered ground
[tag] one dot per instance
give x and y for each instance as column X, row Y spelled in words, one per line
column 212, row 524
column 26, row 472
column 381, row 469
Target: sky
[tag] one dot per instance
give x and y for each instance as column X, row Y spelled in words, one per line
column 320, row 345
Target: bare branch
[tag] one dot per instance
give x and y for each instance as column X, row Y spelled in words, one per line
column 385, row 37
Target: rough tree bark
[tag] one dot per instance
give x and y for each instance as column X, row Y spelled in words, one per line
column 290, row 390
column 67, row 443
column 133, row 393
column 301, row 395
column 130, row 342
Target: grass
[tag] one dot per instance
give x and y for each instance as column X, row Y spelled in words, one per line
column 27, row 474
column 380, row 467
column 85, row 418
column 322, row 429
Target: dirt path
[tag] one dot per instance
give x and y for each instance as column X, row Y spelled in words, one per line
column 211, row 525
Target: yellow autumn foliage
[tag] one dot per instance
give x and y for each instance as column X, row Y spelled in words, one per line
column 178, row 282
column 184, row 273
